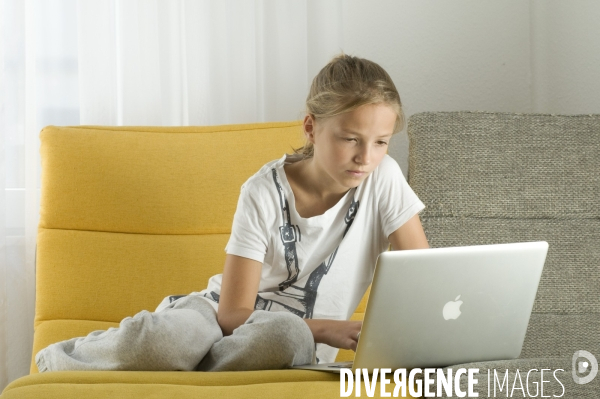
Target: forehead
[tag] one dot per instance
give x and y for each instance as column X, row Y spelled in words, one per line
column 369, row 119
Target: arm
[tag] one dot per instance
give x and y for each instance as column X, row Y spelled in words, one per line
column 336, row 333
column 409, row 236
column 241, row 277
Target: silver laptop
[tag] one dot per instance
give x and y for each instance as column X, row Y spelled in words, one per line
column 443, row 306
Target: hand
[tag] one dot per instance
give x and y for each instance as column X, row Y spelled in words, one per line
column 341, row 334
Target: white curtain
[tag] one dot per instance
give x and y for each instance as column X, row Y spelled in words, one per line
column 200, row 62
column 143, row 62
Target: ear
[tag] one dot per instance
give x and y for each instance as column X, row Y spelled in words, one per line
column 309, row 128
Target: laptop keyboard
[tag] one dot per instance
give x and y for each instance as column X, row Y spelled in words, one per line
column 342, row 365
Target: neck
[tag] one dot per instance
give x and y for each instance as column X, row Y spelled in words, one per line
column 318, row 183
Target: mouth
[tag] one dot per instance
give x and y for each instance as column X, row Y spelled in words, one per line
column 356, row 173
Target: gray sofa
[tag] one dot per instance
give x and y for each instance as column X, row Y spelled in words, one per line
column 500, row 177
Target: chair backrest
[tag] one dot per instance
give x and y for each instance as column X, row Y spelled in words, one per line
column 501, row 177
column 132, row 214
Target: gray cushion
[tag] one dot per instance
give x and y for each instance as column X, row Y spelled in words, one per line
column 561, row 335
column 557, row 382
column 489, row 178
column 506, row 165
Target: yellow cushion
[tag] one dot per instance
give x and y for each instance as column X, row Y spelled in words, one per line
column 149, row 180
column 180, row 384
column 137, row 385
column 173, row 384
column 114, row 275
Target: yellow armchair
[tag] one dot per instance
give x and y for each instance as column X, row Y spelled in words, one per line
column 130, row 215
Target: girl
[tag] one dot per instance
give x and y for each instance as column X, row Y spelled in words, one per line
column 305, row 237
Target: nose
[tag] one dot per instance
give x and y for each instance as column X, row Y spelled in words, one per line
column 363, row 155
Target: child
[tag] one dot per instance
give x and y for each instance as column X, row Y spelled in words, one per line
column 305, row 237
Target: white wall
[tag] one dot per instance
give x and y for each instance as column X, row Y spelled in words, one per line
column 446, row 56
column 566, row 56
column 509, row 56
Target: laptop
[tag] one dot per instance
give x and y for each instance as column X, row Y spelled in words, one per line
column 437, row 307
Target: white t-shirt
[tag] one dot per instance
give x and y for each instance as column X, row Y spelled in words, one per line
column 317, row 267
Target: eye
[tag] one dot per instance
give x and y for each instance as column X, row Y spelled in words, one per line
column 350, row 139
column 382, row 143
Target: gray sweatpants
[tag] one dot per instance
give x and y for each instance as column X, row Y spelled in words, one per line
column 186, row 336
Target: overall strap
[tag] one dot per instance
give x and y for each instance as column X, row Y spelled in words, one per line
column 288, row 236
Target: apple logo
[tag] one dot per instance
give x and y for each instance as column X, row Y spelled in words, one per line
column 452, row 309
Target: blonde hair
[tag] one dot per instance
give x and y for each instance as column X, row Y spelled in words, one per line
column 346, row 83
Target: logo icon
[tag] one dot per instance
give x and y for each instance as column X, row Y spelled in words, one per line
column 582, row 366
column 452, row 309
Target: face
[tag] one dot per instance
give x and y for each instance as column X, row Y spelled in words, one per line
column 349, row 146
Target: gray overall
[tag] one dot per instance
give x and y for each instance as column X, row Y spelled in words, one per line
column 186, row 336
